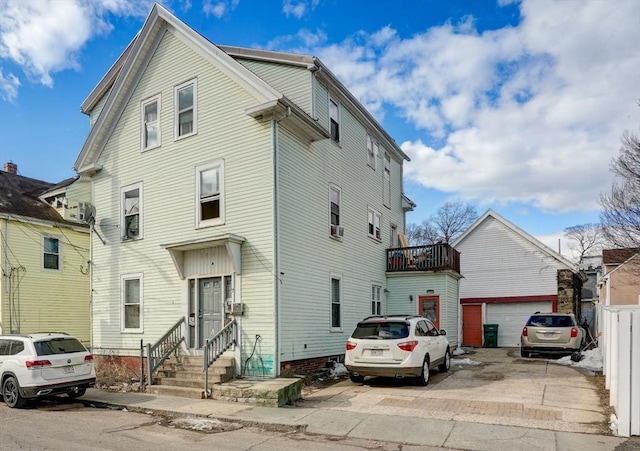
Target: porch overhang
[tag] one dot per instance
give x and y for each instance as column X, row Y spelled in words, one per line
column 231, row 242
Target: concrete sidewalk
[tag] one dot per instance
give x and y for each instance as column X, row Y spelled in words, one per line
column 374, row 426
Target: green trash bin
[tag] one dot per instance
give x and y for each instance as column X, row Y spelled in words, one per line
column 490, row 335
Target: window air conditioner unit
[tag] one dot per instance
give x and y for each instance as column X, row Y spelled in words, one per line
column 337, row 231
column 237, row 308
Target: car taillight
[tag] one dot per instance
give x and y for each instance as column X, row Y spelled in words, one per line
column 574, row 332
column 408, row 345
column 36, row 364
column 88, row 358
column 525, row 332
column 351, row 345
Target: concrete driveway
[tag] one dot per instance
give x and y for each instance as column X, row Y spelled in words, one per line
column 503, row 389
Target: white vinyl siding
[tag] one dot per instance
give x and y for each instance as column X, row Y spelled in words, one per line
column 494, row 257
column 292, row 82
column 224, row 132
column 186, row 109
column 150, row 126
column 131, row 299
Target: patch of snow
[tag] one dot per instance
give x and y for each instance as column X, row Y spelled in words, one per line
column 338, row 370
column 591, row 360
column 205, row 424
column 457, row 363
column 458, row 351
column 613, row 424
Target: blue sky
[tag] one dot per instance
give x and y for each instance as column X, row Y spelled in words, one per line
column 517, row 106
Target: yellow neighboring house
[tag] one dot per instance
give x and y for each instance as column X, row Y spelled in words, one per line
column 45, row 283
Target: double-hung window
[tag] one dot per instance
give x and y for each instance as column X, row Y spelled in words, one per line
column 336, row 302
column 210, row 194
column 372, row 151
column 334, row 119
column 374, row 224
column 376, row 299
column 335, row 198
column 131, row 199
column 51, row 253
column 151, row 123
column 386, row 195
column 186, row 109
column 131, row 286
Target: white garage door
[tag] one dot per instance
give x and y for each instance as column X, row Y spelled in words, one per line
column 511, row 318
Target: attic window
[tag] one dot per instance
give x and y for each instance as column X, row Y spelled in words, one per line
column 151, row 123
column 185, row 109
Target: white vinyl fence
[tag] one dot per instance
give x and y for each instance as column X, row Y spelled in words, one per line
column 620, row 343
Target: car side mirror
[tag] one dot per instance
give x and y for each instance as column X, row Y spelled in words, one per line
column 443, row 332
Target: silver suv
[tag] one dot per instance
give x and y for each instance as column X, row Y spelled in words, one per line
column 43, row 364
column 396, row 346
column 551, row 333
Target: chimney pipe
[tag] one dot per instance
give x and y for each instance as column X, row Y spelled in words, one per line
column 11, row 167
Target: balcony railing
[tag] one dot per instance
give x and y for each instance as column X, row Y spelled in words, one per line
column 433, row 257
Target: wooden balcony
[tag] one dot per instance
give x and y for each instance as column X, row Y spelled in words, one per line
column 433, row 257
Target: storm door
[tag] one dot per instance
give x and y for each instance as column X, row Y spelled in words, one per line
column 210, row 308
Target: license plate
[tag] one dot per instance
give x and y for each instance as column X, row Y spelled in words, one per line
column 67, row 369
column 549, row 335
column 376, row 352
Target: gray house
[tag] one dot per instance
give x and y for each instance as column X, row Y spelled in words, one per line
column 240, row 193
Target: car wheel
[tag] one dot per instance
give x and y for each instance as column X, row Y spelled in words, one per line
column 77, row 392
column 358, row 379
column 423, row 379
column 444, row 366
column 11, row 393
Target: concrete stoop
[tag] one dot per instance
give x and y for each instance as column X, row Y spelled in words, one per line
column 183, row 376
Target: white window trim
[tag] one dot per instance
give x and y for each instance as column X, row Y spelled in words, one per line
column 123, row 278
column 339, row 105
column 215, row 221
column 375, row 150
column 379, row 300
column 379, row 216
column 339, row 190
column 331, row 278
column 143, row 104
column 123, row 227
column 59, row 268
column 176, row 113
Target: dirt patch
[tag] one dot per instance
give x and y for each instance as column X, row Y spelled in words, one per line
column 598, row 381
column 487, row 376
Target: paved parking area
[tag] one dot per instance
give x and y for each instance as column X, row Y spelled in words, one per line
column 502, row 389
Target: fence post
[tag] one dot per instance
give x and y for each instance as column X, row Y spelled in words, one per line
column 141, row 388
column 150, row 364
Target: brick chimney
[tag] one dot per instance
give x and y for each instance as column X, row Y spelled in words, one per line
column 11, row 167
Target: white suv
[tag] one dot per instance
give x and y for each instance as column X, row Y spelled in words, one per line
column 396, row 346
column 43, row 364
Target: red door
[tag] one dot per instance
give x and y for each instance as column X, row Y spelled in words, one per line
column 471, row 325
column 429, row 307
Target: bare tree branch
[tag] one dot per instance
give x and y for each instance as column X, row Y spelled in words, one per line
column 446, row 224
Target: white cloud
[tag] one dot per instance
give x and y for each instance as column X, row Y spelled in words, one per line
column 46, row 36
column 219, row 8
column 298, row 8
column 8, row 86
column 531, row 113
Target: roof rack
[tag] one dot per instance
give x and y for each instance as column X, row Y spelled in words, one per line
column 391, row 316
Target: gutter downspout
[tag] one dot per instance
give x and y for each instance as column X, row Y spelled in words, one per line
column 278, row 274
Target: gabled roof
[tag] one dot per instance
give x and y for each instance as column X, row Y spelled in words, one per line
column 518, row 231
column 130, row 66
column 20, row 197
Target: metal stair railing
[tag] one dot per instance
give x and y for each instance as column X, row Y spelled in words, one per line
column 161, row 350
column 216, row 346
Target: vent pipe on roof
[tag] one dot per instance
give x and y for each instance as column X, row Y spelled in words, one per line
column 11, row 167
